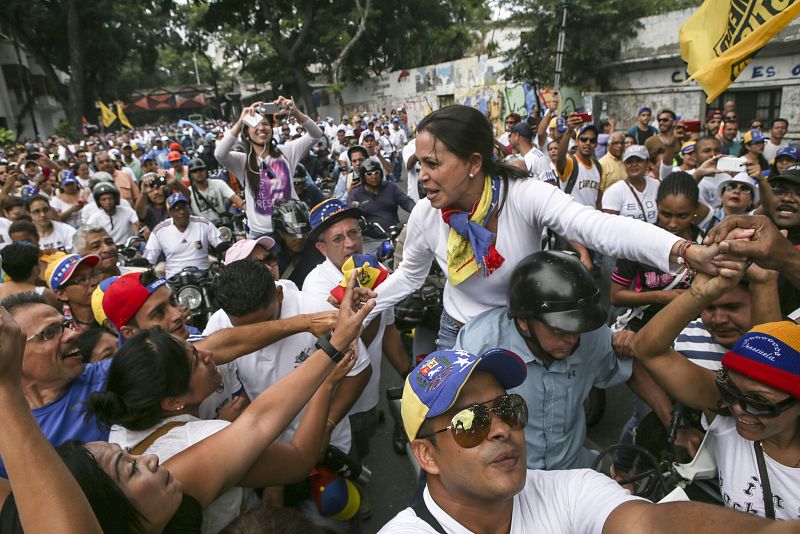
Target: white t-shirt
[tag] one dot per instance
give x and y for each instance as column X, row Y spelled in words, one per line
column 230, row 386
column 398, row 137
column 217, row 194
column 60, row 237
column 412, row 187
column 5, row 239
column 60, row 206
column 739, row 478
column 771, row 149
column 317, row 288
column 539, row 166
column 119, row 226
column 227, row 506
column 182, row 249
column 620, row 197
column 91, row 208
column 587, row 183
column 262, row 368
column 554, row 502
column 530, row 206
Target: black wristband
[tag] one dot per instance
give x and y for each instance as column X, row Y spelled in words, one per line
column 324, row 344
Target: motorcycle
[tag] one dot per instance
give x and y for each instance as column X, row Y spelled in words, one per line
column 232, row 227
column 190, row 288
column 380, row 241
column 130, row 254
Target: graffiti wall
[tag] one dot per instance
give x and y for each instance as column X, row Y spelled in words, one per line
column 472, row 81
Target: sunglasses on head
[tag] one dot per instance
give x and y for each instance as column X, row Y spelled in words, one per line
column 731, row 395
column 470, row 426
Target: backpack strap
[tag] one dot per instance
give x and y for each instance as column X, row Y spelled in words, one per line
column 421, row 509
column 145, row 444
column 573, row 176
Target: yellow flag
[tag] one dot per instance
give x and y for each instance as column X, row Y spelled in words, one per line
column 122, row 118
column 106, row 114
column 722, row 36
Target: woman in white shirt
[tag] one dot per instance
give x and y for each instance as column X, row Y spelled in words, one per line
column 264, row 170
column 752, row 405
column 496, row 218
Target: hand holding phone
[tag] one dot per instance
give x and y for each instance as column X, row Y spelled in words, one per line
column 731, row 164
column 253, row 120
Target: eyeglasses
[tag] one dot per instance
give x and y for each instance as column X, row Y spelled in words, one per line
column 616, row 142
column 52, row 331
column 590, row 140
column 470, row 426
column 782, row 191
column 757, row 408
column 83, row 280
column 744, row 188
column 338, row 239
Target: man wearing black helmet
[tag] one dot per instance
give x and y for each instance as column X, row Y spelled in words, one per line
column 555, row 322
column 209, row 197
column 378, row 198
column 297, row 256
column 305, row 189
column 121, row 222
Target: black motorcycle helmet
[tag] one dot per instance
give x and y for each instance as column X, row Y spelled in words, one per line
column 556, row 289
column 105, row 188
column 196, row 164
column 370, row 165
column 290, row 216
column 300, row 174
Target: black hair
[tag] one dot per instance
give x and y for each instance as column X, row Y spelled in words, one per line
column 672, row 113
column 252, row 169
column 21, row 300
column 19, row 259
column 779, row 119
column 273, row 520
column 35, row 198
column 703, row 138
column 114, row 511
column 464, row 131
column 13, row 202
column 150, row 367
column 762, row 161
column 88, row 339
column 243, row 287
column 676, row 184
column 25, row 226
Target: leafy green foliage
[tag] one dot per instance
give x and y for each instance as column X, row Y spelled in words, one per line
column 593, row 34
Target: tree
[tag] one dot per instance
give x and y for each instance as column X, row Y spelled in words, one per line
column 594, row 32
column 88, row 41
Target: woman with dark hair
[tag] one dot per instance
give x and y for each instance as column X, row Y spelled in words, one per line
column 481, row 217
column 96, row 344
column 238, row 454
column 753, row 149
column 264, row 170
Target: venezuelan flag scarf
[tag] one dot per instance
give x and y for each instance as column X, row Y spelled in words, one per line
column 469, row 245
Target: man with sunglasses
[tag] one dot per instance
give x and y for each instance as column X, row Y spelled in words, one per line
column 657, row 144
column 72, row 279
column 466, row 433
column 555, row 322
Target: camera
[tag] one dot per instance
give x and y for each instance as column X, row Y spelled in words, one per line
column 337, row 461
column 160, row 181
column 268, row 108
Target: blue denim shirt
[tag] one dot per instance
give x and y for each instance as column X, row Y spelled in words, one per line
column 556, row 427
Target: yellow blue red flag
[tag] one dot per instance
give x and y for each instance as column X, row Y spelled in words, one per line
column 722, row 36
column 367, row 270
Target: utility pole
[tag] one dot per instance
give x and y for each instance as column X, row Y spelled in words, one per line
column 560, row 49
column 196, row 72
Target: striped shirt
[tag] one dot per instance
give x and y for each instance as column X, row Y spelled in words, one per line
column 699, row 346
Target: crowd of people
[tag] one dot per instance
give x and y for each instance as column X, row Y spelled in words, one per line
column 574, row 256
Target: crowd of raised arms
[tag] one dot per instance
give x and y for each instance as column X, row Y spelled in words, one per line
column 193, row 322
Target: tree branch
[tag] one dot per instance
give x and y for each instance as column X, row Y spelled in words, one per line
column 362, row 25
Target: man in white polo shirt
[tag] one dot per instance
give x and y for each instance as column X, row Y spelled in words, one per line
column 521, row 138
column 183, row 239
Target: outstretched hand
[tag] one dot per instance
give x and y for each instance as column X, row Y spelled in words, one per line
column 356, row 305
column 755, row 237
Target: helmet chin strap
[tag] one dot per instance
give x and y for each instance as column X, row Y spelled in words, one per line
column 536, row 347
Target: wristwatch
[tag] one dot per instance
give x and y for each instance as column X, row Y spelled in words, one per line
column 324, row 344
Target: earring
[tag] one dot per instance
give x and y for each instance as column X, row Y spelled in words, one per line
column 471, row 175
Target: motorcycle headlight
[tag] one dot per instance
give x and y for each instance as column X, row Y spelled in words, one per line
column 225, row 232
column 191, row 297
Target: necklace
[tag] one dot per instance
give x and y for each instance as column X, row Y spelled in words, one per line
column 761, row 444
